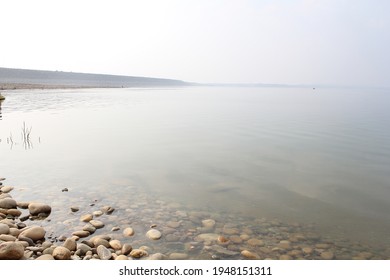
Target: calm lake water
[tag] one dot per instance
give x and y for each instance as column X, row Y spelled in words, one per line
column 299, row 155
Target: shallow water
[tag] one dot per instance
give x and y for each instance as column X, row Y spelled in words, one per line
column 318, row 157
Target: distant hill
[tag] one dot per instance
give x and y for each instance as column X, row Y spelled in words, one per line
column 21, row 78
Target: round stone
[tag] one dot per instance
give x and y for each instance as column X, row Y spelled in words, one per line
column 209, row 223
column 23, row 205
column 255, row 242
column 173, row 224
column 4, row 229
column 138, row 253
column 86, row 218
column 11, row 251
column 250, row 255
column 36, row 208
column 121, row 258
column 207, row 237
column 115, row 244
column 284, row 244
column 34, row 233
column 70, row 244
column 103, row 253
column 153, row 234
column 97, row 224
column 81, row 233
column 45, row 257
column 126, row 249
column 6, row 237
column 6, row 189
column 327, row 255
column 7, row 203
column 90, row 228
column 128, row 231
column 100, row 241
column 61, row 253
column 307, row 250
column 83, row 248
column 178, row 256
column 97, row 213
column 14, row 212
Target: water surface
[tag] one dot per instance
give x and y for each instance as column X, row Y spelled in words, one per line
column 300, row 155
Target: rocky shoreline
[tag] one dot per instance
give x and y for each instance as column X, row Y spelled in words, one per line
column 163, row 232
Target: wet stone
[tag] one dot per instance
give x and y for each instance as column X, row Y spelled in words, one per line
column 6, row 189
column 36, row 208
column 327, row 255
column 255, row 242
column 126, row 249
column 208, row 223
column 7, row 203
column 172, row 224
column 86, row 218
column 128, row 231
column 250, row 255
column 74, row 209
column 115, row 228
column 81, row 233
column 153, row 234
column 97, row 224
column 35, row 233
column 138, row 253
column 178, row 256
column 90, row 228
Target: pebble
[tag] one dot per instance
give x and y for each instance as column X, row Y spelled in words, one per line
column 86, row 218
column 74, row 209
column 173, row 224
column 7, row 203
column 153, row 234
column 103, row 252
column 209, row 223
column 97, row 224
column 121, row 258
column 11, row 251
column 115, row 244
column 97, row 213
column 64, row 190
column 61, row 253
column 322, row 246
column 4, row 229
column 6, row 189
column 126, row 249
column 45, row 257
column 14, row 212
column 34, row 232
column 157, row 257
column 70, row 244
column 208, row 237
column 6, row 237
column 108, row 209
column 115, row 228
column 90, row 228
column 128, row 231
column 36, row 208
column 178, row 256
column 250, row 255
column 138, row 253
column 83, row 248
column 284, row 244
column 81, row 233
column 307, row 250
column 23, row 205
column 285, row 257
column 327, row 255
column 255, row 242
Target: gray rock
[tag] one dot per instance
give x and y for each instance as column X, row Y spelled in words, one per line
column 7, row 203
column 103, row 253
column 61, row 253
column 74, row 209
column 207, row 237
column 23, row 205
column 83, row 248
column 37, row 208
column 90, row 228
column 11, row 251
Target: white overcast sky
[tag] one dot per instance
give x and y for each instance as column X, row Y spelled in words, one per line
column 333, row 42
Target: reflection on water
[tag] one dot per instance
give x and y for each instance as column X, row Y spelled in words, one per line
column 286, row 153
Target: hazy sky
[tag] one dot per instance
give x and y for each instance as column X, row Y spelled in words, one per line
column 326, row 41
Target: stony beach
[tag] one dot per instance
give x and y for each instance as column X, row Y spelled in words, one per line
column 153, row 229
